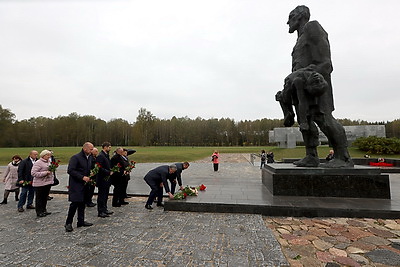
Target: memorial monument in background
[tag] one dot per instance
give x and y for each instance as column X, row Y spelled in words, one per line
column 309, row 89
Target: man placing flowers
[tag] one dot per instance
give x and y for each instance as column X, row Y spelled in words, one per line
column 157, row 179
column 176, row 177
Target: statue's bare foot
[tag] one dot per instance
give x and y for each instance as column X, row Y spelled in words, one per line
column 308, row 161
column 339, row 163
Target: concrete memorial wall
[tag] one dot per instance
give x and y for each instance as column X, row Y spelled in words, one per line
column 287, row 137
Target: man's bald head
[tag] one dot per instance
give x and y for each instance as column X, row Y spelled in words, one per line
column 87, row 148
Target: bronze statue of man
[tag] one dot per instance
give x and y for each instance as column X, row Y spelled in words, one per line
column 309, row 89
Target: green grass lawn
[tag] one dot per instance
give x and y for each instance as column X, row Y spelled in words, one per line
column 176, row 154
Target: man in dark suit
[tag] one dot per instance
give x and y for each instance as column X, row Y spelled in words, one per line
column 79, row 167
column 103, row 180
column 157, row 179
column 89, row 187
column 25, row 180
column 176, row 177
column 118, row 179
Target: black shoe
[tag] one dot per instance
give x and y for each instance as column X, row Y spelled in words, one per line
column 68, row 228
column 16, row 199
column 84, row 224
column 21, row 209
column 103, row 215
column 116, row 205
column 49, row 198
column 47, row 213
column 42, row 214
column 149, row 207
column 90, row 205
column 128, row 197
column 30, row 207
column 109, row 212
column 160, row 205
column 4, row 201
column 124, row 203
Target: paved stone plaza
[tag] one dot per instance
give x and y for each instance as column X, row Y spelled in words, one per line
column 134, row 236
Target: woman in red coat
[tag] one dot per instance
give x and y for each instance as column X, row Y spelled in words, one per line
column 215, row 160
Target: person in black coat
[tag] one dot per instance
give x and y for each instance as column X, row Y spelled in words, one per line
column 118, row 179
column 270, row 157
column 126, row 153
column 25, row 181
column 176, row 177
column 90, row 187
column 157, row 179
column 103, row 180
column 79, row 167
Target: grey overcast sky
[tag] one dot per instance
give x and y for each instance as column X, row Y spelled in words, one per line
column 209, row 59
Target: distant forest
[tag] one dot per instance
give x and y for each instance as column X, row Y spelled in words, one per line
column 75, row 129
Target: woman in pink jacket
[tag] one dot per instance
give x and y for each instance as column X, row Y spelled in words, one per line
column 42, row 180
column 10, row 179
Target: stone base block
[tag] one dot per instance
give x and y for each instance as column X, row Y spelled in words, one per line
column 283, row 179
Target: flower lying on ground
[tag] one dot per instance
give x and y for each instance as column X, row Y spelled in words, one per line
column 180, row 195
column 189, row 191
column 201, row 187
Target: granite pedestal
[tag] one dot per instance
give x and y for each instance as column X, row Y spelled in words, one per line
column 283, row 179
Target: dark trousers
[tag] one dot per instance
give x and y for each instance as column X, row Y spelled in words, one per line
column 88, row 191
column 173, row 186
column 262, row 164
column 102, row 197
column 124, row 188
column 80, row 206
column 118, row 194
column 26, row 191
column 156, row 191
column 215, row 167
column 42, row 192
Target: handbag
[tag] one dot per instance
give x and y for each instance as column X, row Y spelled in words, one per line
column 56, row 182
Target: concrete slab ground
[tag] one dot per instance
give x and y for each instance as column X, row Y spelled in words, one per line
column 134, row 236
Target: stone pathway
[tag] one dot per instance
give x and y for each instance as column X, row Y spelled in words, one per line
column 338, row 241
column 134, row 236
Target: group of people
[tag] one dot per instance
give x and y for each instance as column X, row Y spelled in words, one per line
column 31, row 177
column 89, row 165
column 266, row 157
column 90, row 168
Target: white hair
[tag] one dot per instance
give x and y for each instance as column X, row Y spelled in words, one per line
column 44, row 152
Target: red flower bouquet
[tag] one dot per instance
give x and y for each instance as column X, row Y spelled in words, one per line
column 116, row 168
column 131, row 165
column 201, row 187
column 54, row 165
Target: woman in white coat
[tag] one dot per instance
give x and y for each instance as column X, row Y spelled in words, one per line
column 10, row 179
